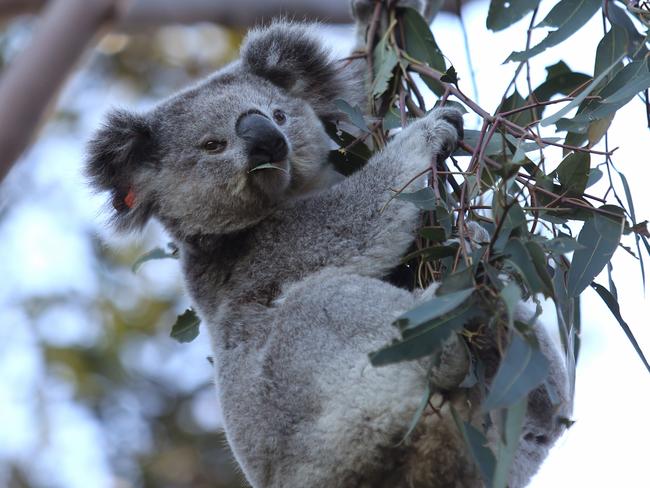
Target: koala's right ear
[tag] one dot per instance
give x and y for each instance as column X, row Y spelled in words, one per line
column 121, row 156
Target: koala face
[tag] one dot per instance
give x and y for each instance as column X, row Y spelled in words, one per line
column 221, row 156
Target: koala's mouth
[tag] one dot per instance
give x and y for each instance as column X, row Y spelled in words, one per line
column 282, row 166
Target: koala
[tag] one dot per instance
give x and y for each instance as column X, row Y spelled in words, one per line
column 286, row 263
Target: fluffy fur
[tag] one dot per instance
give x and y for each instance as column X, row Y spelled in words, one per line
column 288, row 273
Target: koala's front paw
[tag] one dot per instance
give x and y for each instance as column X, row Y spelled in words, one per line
column 444, row 128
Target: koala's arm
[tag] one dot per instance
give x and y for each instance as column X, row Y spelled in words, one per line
column 379, row 229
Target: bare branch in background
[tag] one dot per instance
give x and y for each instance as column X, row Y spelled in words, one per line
column 241, row 13
column 32, row 80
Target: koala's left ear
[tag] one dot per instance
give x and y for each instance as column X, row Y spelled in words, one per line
column 121, row 157
column 292, row 56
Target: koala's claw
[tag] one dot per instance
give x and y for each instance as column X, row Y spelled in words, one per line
column 455, row 118
column 444, row 128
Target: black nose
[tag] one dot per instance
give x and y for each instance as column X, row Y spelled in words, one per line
column 264, row 142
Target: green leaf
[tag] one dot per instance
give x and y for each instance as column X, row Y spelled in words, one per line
column 432, row 309
column 600, row 236
column 477, row 446
column 420, row 44
column 613, row 306
column 568, row 16
column 594, row 176
column 552, row 119
column 559, row 80
column 520, row 258
column 514, row 421
column 444, row 218
column 630, row 206
column 509, row 215
column 561, row 245
column 385, row 59
column 434, row 234
column 523, row 368
column 418, row 414
column 618, row 17
column 634, row 78
column 496, row 144
column 539, row 261
column 516, row 101
column 573, row 173
column 460, row 280
column 186, row 328
column 610, row 48
column 393, row 120
column 423, row 341
column 351, row 144
column 424, row 198
column 157, row 253
column 354, row 113
column 597, row 129
column 504, row 13
column 629, row 81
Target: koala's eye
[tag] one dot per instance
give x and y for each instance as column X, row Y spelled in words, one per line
column 279, row 116
column 214, row 146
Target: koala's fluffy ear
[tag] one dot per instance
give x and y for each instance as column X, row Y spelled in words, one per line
column 120, row 155
column 292, row 56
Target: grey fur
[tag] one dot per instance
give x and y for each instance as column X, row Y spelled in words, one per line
column 289, row 282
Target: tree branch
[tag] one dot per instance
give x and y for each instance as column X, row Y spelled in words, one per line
column 32, row 80
column 241, row 13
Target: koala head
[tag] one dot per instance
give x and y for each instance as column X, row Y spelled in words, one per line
column 222, row 155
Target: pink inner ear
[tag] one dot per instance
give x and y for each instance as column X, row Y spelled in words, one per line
column 129, row 199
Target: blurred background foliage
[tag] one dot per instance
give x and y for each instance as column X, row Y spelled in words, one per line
column 91, row 379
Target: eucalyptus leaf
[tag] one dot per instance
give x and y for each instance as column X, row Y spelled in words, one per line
column 385, row 60
column 523, row 368
column 496, row 145
column 186, row 328
column 424, row 340
column 157, row 253
column 595, row 175
column 433, row 309
column 344, row 139
column 434, row 234
column 567, row 16
column 477, row 445
column 418, row 413
column 424, row 198
column 420, row 44
column 552, row 119
column 561, row 245
column 629, row 81
column 504, row 13
column 573, row 173
column 513, row 423
column 600, row 236
column 613, row 306
column 610, row 48
column 520, row 258
column 354, row 114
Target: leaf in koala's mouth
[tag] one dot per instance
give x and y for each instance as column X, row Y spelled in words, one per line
column 267, row 166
